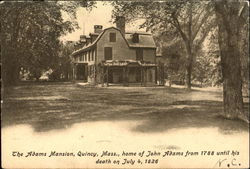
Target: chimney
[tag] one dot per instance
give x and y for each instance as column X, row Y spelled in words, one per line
column 77, row 45
column 97, row 28
column 93, row 36
column 88, row 40
column 120, row 23
column 83, row 39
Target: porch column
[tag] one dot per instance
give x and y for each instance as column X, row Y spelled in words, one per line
column 94, row 73
column 156, row 77
column 127, row 77
column 102, row 76
column 142, row 76
column 107, row 76
column 124, row 75
column 145, row 76
column 73, row 72
column 86, row 67
column 76, row 73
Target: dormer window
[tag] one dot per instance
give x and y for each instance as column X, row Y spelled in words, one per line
column 135, row 38
column 112, row 37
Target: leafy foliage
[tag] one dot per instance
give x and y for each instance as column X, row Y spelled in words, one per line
column 175, row 61
column 62, row 70
column 190, row 21
column 207, row 70
column 30, row 34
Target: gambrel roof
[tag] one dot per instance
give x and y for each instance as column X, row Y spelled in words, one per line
column 146, row 40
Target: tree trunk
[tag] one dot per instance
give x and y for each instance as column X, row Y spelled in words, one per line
column 11, row 65
column 230, row 59
column 188, row 76
column 189, row 66
column 10, row 68
column 232, row 81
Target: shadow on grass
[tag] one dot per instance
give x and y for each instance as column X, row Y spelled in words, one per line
column 203, row 114
column 159, row 109
column 182, row 114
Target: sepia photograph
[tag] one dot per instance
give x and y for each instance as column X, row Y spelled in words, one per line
column 124, row 84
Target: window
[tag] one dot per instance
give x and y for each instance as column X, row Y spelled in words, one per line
column 135, row 38
column 107, row 53
column 112, row 37
column 139, row 54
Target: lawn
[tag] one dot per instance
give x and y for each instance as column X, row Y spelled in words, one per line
column 68, row 117
column 48, row 106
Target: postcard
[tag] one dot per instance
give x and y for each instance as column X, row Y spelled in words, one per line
column 124, row 84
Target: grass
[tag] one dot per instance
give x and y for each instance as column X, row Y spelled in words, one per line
column 46, row 106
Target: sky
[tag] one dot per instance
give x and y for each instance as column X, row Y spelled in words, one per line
column 101, row 15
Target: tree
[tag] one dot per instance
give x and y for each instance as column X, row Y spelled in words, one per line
column 175, row 61
column 212, row 55
column 62, row 70
column 190, row 20
column 231, row 18
column 30, row 34
column 207, row 69
column 65, row 59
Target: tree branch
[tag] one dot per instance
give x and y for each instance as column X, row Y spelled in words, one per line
column 190, row 19
column 204, row 35
column 243, row 13
column 178, row 27
column 203, row 20
column 221, row 10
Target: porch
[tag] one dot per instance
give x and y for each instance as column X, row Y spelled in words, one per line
column 80, row 71
column 135, row 73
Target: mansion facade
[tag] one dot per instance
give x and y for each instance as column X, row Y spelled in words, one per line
column 113, row 56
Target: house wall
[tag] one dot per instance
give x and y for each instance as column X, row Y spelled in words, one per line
column 149, row 54
column 120, row 49
column 88, row 57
